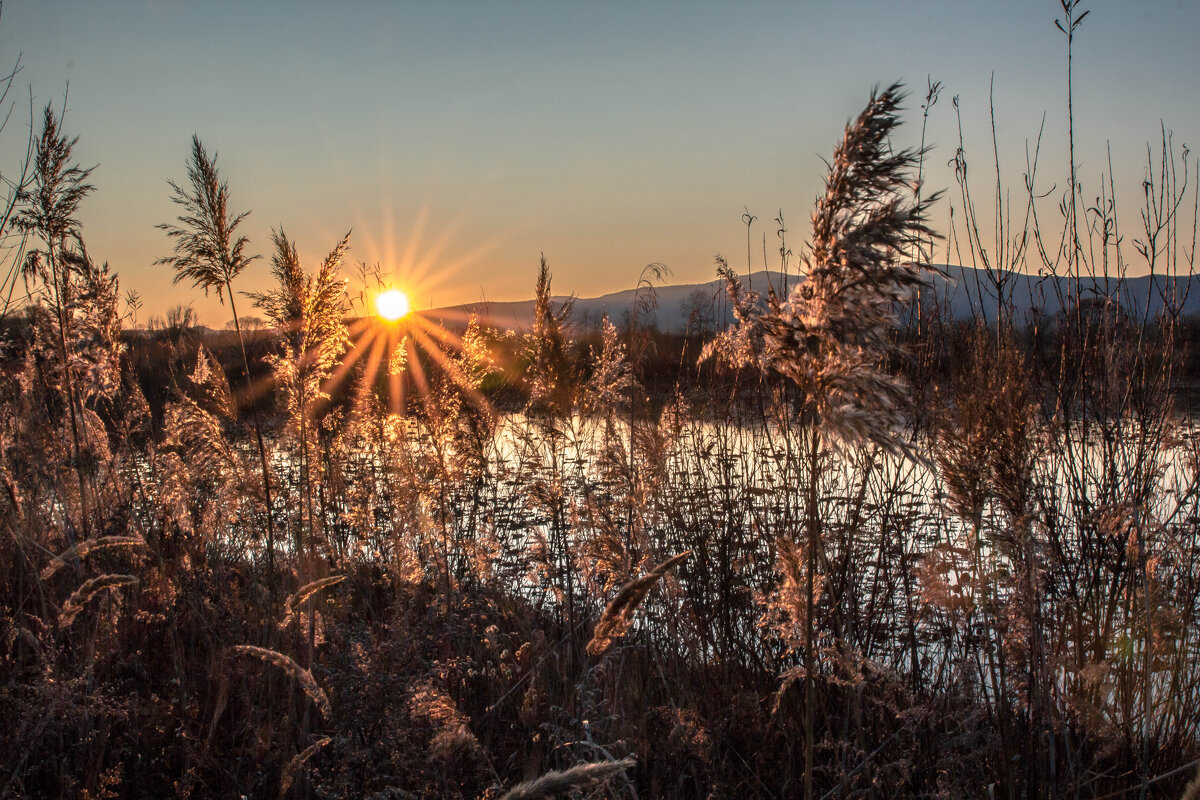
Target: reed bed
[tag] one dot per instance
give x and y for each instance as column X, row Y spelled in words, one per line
column 838, row 555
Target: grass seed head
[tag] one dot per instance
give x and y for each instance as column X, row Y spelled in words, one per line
column 301, row 675
column 558, row 782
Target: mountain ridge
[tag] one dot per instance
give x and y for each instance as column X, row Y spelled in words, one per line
column 959, row 293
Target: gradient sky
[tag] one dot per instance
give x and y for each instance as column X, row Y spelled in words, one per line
column 468, row 137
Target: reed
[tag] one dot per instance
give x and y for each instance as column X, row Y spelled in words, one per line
column 302, row 676
column 83, row 549
column 618, row 614
column 298, row 761
column 298, row 598
column 577, row 778
column 968, row 573
column 86, row 591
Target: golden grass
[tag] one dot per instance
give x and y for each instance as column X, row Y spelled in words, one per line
column 88, row 546
column 580, row 776
column 302, row 676
column 289, row 772
column 86, row 591
column 618, row 616
column 297, row 599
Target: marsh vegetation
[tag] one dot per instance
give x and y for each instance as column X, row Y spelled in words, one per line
column 852, row 548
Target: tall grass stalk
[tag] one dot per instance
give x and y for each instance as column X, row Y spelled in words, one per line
column 831, row 336
column 210, row 253
column 995, row 594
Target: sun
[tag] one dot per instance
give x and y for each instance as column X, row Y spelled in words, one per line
column 398, row 348
column 392, row 304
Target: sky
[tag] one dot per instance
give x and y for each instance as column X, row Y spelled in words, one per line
column 459, row 141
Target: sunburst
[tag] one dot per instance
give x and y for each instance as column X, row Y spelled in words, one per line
column 391, row 335
column 392, row 305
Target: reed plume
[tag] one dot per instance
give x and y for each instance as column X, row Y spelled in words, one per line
column 49, row 205
column 308, row 312
column 84, row 548
column 299, row 673
column 549, row 374
column 210, row 253
column 289, row 771
column 618, row 616
column 208, row 249
column 577, row 778
column 832, row 334
column 292, row 604
column 86, row 591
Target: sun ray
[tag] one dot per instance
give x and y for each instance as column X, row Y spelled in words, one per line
column 395, row 377
column 360, row 325
column 420, row 382
column 452, row 370
column 417, row 349
column 443, row 334
column 378, row 346
column 360, row 347
column 421, row 275
column 431, row 261
column 418, row 274
column 257, row 389
column 414, row 238
column 370, row 373
column 445, row 318
column 471, row 256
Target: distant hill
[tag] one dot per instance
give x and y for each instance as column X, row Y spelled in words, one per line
column 967, row 292
column 962, row 293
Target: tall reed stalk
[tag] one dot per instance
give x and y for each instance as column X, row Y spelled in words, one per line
column 831, row 337
column 210, row 253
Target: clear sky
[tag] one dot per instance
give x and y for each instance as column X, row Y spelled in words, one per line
column 468, row 137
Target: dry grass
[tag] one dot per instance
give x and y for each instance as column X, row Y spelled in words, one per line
column 618, row 615
column 88, row 546
column 577, row 778
column 292, row 604
column 1013, row 607
column 299, row 673
column 298, row 761
column 89, row 589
